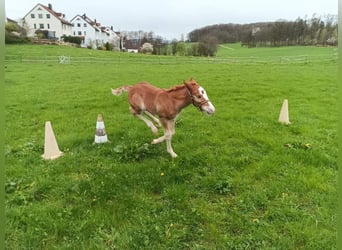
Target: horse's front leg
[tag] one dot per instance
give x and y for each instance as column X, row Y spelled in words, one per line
column 169, row 130
column 169, row 148
column 164, row 124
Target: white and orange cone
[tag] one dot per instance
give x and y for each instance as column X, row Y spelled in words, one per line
column 284, row 113
column 51, row 150
column 100, row 133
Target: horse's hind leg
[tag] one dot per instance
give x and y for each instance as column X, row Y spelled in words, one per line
column 148, row 122
column 158, row 140
column 155, row 119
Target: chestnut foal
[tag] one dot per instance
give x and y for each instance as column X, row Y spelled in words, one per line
column 162, row 106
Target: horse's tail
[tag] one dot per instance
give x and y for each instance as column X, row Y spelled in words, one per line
column 119, row 91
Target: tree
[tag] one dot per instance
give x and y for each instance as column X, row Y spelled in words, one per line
column 11, row 27
column 174, row 46
column 299, row 28
column 212, row 45
column 316, row 30
column 12, row 34
column 181, row 49
column 194, row 49
column 147, row 48
column 208, row 46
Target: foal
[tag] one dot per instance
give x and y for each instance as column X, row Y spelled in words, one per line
column 162, row 106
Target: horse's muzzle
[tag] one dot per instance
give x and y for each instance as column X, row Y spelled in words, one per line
column 208, row 108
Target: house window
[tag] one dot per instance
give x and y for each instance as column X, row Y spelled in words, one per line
column 78, row 25
column 48, row 26
column 84, row 25
column 34, row 26
column 40, row 16
column 74, row 33
column 41, row 26
column 80, row 33
column 85, row 33
column 32, row 16
column 48, row 16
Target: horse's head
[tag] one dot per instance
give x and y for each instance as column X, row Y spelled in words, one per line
column 199, row 96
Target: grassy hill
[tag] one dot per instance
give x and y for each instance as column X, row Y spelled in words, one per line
column 227, row 50
column 241, row 181
column 224, row 51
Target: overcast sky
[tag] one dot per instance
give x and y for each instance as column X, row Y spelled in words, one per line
column 172, row 18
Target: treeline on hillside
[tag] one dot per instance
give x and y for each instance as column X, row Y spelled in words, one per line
column 136, row 39
column 313, row 31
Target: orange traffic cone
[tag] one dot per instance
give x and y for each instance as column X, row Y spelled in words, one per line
column 100, row 133
column 284, row 113
column 51, row 150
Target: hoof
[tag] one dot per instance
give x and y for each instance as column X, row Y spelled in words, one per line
column 173, row 155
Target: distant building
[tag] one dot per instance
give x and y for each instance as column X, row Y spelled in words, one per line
column 132, row 45
column 43, row 19
column 92, row 34
column 8, row 20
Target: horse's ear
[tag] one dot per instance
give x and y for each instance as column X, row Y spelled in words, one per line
column 187, row 85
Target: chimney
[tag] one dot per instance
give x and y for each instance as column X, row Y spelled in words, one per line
column 111, row 27
column 50, row 6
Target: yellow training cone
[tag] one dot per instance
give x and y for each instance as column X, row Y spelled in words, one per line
column 100, row 133
column 284, row 113
column 51, row 150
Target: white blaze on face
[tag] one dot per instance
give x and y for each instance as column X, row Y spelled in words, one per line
column 208, row 107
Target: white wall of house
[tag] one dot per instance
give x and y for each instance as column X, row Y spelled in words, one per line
column 92, row 34
column 113, row 38
column 39, row 18
column 83, row 29
column 86, row 29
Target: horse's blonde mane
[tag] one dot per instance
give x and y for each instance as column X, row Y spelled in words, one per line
column 177, row 87
column 174, row 88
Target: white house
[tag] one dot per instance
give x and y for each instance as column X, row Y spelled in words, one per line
column 113, row 37
column 45, row 19
column 92, row 34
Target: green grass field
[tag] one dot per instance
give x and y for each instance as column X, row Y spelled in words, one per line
column 241, row 180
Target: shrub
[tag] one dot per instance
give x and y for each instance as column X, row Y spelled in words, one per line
column 108, row 46
column 72, row 39
column 11, row 38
